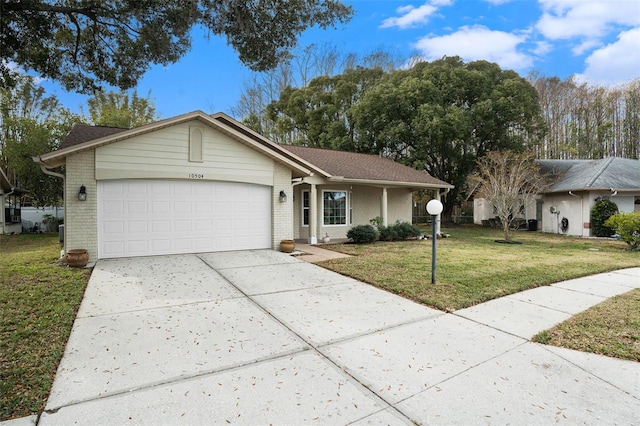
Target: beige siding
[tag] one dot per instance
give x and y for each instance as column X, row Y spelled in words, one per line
column 165, row 154
column 81, row 222
column 400, row 205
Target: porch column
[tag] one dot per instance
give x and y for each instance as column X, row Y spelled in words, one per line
column 383, row 207
column 313, row 214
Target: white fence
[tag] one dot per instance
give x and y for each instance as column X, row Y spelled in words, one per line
column 32, row 216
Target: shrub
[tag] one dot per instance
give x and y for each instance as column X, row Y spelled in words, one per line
column 388, row 233
column 377, row 222
column 363, row 234
column 406, row 230
column 627, row 225
column 52, row 222
column 601, row 211
column 399, row 231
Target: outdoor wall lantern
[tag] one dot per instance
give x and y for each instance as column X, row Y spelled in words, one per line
column 283, row 197
column 82, row 195
column 434, row 208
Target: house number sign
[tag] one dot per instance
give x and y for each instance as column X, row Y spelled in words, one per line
column 196, row 175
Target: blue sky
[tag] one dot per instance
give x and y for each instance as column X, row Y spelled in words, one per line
column 596, row 40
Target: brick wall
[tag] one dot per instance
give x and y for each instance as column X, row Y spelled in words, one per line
column 81, row 222
column 282, row 213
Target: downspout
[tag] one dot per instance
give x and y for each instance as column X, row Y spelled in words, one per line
column 581, row 211
column 46, row 171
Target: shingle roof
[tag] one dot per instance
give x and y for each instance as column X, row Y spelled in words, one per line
column 83, row 133
column 607, row 173
column 352, row 165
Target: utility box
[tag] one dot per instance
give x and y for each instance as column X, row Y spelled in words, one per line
column 61, row 234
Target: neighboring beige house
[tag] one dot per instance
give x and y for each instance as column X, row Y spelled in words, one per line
column 566, row 207
column 11, row 219
column 199, row 183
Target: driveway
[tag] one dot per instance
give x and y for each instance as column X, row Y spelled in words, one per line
column 260, row 337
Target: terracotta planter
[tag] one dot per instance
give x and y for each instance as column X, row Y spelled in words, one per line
column 287, row 246
column 77, row 258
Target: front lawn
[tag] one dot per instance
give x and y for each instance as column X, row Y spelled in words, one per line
column 472, row 268
column 39, row 301
column 611, row 328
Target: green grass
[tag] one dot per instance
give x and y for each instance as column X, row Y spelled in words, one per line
column 611, row 328
column 472, row 268
column 39, row 301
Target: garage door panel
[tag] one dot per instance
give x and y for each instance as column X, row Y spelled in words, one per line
column 144, row 217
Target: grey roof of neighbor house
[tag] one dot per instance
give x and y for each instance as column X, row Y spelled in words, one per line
column 339, row 164
column 608, row 173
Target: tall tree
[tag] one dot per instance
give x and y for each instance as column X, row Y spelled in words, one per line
column 319, row 114
column 296, row 71
column 510, row 181
column 443, row 115
column 586, row 120
column 31, row 123
column 122, row 110
column 83, row 44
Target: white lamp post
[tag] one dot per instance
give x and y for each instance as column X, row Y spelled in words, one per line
column 434, row 208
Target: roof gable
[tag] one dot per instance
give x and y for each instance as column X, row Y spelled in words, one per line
column 335, row 165
column 83, row 138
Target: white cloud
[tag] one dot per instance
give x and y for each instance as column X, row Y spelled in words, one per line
column 616, row 63
column 565, row 19
column 585, row 46
column 477, row 43
column 542, row 48
column 413, row 16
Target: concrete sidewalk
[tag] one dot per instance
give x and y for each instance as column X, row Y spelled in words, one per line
column 260, row 337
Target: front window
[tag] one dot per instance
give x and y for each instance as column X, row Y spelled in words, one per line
column 334, row 207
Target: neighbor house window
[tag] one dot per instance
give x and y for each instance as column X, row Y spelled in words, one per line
column 636, row 204
column 12, row 209
column 334, row 207
column 305, row 208
column 195, row 145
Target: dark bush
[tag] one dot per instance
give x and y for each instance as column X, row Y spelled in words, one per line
column 406, row 230
column 601, row 211
column 388, row 233
column 363, row 234
column 399, row 231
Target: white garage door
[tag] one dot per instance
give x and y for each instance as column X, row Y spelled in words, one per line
column 151, row 217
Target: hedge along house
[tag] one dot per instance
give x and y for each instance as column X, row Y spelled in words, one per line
column 11, row 218
column 565, row 208
column 200, row 183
